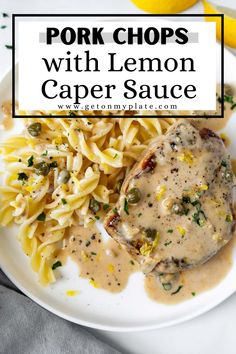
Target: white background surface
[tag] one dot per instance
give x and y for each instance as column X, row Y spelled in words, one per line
column 212, row 333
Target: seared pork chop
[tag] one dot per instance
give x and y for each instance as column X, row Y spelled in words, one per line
column 175, row 207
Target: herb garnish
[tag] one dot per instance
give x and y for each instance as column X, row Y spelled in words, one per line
column 31, row 161
column 126, row 207
column 3, row 26
column 41, row 217
column 8, row 46
column 22, row 176
column 106, row 206
column 4, row 14
column 178, row 290
column 63, row 201
column 45, row 153
column 170, row 231
column 56, row 265
column 53, row 164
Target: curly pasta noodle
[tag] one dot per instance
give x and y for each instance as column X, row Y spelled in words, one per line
column 96, row 154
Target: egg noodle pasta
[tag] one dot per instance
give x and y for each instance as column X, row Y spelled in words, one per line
column 61, row 172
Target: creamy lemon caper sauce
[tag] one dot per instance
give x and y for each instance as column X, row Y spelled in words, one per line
column 174, row 288
column 105, row 264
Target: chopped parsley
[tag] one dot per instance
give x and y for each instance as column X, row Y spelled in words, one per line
column 115, row 156
column 31, row 161
column 199, row 217
column 167, row 243
column 56, row 265
column 8, row 46
column 229, row 99
column 97, row 217
column 131, row 262
column 193, row 293
column 93, row 253
column 41, row 217
column 3, row 26
column 4, row 14
column 22, row 176
column 45, row 153
column 53, row 164
column 139, row 215
column 126, row 207
column 224, row 163
column 170, row 231
column 63, row 201
column 229, row 218
column 178, row 290
column 106, row 206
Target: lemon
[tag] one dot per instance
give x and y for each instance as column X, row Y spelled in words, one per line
column 164, row 6
column 229, row 22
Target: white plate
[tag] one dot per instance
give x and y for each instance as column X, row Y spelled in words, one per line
column 131, row 310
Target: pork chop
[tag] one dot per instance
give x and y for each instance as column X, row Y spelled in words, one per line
column 175, row 208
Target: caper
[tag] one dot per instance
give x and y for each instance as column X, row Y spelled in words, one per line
column 63, row 177
column 35, row 129
column 42, row 168
column 94, row 205
column 118, row 185
column 150, row 233
column 167, row 286
column 133, row 196
column 228, row 175
column 177, row 209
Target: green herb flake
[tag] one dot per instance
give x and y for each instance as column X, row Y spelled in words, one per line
column 114, row 210
column 4, row 14
column 170, row 231
column 193, row 293
column 97, row 217
column 41, row 217
column 53, row 164
column 126, row 207
column 167, row 243
column 63, row 201
column 3, row 26
column 178, row 290
column 229, row 218
column 8, row 46
column 131, row 262
column 106, row 206
column 140, row 214
column 45, row 153
column 22, row 176
column 56, row 265
column 233, row 106
column 31, row 161
column 115, row 156
column 224, row 163
column 93, row 253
